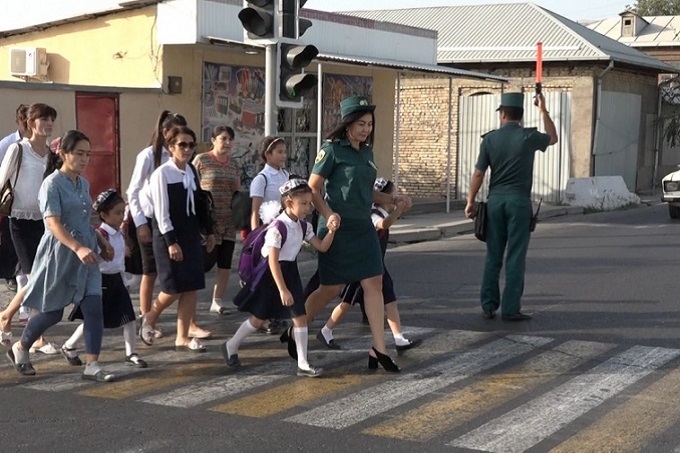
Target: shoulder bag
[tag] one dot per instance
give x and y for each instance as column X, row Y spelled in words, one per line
column 7, row 192
column 480, row 221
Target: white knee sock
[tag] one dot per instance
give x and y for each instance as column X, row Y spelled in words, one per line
column 245, row 329
column 22, row 280
column 72, row 343
column 300, row 335
column 327, row 333
column 130, row 337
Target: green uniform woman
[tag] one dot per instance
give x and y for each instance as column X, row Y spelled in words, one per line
column 345, row 171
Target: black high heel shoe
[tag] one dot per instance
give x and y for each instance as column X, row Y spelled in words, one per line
column 384, row 360
column 287, row 337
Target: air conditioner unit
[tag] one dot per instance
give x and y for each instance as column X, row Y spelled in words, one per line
column 28, row 62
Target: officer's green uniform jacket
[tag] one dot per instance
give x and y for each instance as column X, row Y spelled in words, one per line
column 509, row 152
column 349, row 173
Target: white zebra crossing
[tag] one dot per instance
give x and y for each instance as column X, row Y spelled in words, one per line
column 375, row 400
column 534, row 421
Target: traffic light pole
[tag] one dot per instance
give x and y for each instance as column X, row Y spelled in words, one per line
column 271, row 112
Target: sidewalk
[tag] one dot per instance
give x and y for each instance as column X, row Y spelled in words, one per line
column 436, row 225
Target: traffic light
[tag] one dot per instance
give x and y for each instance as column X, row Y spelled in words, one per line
column 292, row 26
column 259, row 18
column 293, row 57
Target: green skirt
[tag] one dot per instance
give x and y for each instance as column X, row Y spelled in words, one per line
column 355, row 254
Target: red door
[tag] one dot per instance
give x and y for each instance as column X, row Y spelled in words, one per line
column 97, row 117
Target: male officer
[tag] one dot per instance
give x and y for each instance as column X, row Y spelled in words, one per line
column 509, row 151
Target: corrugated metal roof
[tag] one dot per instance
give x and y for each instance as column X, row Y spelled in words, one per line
column 509, row 33
column 435, row 69
column 659, row 31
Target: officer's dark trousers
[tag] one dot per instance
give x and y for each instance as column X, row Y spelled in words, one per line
column 508, row 218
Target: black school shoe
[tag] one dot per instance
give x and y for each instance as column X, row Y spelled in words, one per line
column 134, row 360
column 519, row 316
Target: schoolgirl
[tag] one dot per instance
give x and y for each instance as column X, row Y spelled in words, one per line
column 383, row 216
column 279, row 294
column 265, row 187
column 116, row 304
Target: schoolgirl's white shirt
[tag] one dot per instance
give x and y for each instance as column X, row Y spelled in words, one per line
column 376, row 217
column 117, row 241
column 268, row 189
column 291, row 248
column 25, row 205
column 138, row 194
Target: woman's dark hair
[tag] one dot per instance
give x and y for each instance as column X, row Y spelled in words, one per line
column 176, row 131
column 21, row 118
column 389, row 187
column 67, row 144
column 268, row 145
column 218, row 130
column 340, row 132
column 37, row 111
column 513, row 113
column 166, row 121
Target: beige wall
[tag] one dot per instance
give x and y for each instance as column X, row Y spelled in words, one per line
column 63, row 101
column 114, row 50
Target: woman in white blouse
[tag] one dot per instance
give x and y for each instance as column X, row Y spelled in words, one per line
column 24, row 166
column 177, row 239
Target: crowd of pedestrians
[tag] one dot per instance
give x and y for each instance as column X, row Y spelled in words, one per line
column 178, row 218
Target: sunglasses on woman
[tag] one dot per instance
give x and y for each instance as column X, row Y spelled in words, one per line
column 185, row 145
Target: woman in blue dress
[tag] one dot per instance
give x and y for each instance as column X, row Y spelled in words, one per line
column 65, row 270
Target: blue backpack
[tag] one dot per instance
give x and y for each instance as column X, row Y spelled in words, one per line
column 251, row 264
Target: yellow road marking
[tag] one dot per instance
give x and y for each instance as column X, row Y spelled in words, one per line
column 287, row 396
column 630, row 426
column 138, row 384
column 461, row 406
column 305, row 390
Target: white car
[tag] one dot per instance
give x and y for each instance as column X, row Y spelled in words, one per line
column 671, row 193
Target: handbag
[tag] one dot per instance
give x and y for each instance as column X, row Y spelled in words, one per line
column 480, row 221
column 241, row 208
column 205, row 210
column 7, row 192
column 534, row 217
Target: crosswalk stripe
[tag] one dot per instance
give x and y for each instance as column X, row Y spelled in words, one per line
column 302, row 391
column 654, row 410
column 375, row 400
column 527, row 425
column 461, row 406
column 149, row 382
column 70, row 381
column 234, row 383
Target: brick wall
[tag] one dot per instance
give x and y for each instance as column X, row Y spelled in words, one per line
column 421, row 155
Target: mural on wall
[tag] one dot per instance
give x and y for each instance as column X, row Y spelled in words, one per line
column 234, row 96
column 337, row 87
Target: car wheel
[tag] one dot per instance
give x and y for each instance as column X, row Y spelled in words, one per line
column 674, row 211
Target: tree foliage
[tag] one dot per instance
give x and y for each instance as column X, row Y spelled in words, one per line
column 656, row 7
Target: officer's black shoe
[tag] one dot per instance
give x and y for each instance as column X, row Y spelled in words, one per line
column 519, row 316
column 488, row 314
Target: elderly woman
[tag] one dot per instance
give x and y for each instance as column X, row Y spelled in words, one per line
column 221, row 177
column 345, row 169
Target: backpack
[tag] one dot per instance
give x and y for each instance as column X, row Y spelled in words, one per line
column 251, row 265
column 242, row 205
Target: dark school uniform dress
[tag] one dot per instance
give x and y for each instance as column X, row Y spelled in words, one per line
column 175, row 222
column 349, row 174
column 354, row 293
column 116, row 304
column 265, row 301
column 509, row 151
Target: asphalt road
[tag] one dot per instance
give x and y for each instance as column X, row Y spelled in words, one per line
column 595, row 370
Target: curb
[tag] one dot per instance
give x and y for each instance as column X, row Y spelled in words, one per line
column 464, row 226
